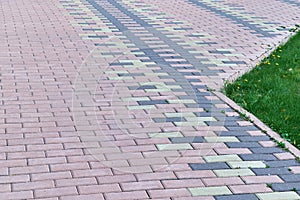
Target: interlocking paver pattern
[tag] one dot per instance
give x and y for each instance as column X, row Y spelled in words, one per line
column 113, row 99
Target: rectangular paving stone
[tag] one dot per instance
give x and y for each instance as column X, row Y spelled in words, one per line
column 233, row 172
column 221, row 139
column 262, row 179
column 182, row 101
column 291, row 177
column 295, row 169
column 253, row 138
column 242, row 144
column 202, row 119
column 220, row 181
column 263, row 157
column 278, row 196
column 246, row 164
column 251, row 188
column 145, row 107
column 136, row 99
column 280, row 187
column 168, row 119
column 208, row 166
column 237, row 197
column 239, row 151
column 266, row 150
column 195, row 123
column 209, row 191
column 243, row 128
column 195, row 139
column 284, row 156
column 271, row 171
column 282, row 163
column 165, row 135
column 180, row 146
column 222, row 158
column 152, row 102
column 180, row 114
column 232, row 133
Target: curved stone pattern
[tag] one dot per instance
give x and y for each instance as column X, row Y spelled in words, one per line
column 112, row 99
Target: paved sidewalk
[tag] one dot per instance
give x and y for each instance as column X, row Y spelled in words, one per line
column 112, row 99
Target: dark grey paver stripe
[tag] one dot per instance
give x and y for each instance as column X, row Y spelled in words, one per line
column 295, row 3
column 191, row 90
column 238, row 20
column 116, row 22
column 237, row 197
column 280, row 187
column 209, row 166
column 196, row 62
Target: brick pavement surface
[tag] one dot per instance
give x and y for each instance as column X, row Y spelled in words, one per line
column 112, row 99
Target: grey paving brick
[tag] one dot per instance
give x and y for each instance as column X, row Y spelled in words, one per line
column 237, row 197
column 253, row 138
column 280, row 187
column 196, row 139
column 291, row 178
column 169, row 119
column 232, row 133
column 209, row 166
column 153, row 102
column 142, row 87
column 243, row 128
column 266, row 150
column 271, row 171
column 262, row 157
column 282, row 163
column 243, row 144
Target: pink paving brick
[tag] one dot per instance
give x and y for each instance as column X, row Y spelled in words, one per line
column 168, row 193
column 69, row 166
column 17, row 195
column 104, row 188
column 76, row 182
column 155, row 176
column 232, row 151
column 255, row 188
column 29, row 169
column 55, row 192
column 179, row 183
column 51, row 176
column 284, row 156
column 117, row 179
column 127, row 195
column 5, row 188
column 295, row 170
column 84, row 197
column 170, row 167
column 33, row 185
column 262, row 179
column 267, row 143
column 144, row 185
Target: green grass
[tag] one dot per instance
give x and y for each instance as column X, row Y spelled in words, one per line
column 271, row 91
